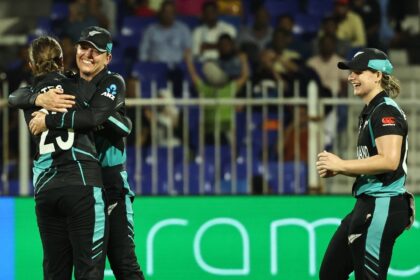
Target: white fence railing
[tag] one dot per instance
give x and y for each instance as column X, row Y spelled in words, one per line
column 261, row 154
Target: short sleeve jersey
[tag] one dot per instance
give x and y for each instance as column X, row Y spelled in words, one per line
column 382, row 116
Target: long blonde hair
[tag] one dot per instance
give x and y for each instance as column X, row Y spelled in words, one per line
column 45, row 56
column 391, row 85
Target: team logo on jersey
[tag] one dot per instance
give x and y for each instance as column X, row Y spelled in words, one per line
column 387, row 121
column 110, row 92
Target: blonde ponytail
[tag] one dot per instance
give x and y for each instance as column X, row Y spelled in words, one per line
column 391, row 85
column 45, row 55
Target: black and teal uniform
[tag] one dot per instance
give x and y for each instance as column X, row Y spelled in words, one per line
column 70, row 203
column 105, row 112
column 364, row 240
column 111, row 149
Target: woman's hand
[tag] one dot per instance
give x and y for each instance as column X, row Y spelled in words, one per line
column 55, row 100
column 328, row 164
column 37, row 124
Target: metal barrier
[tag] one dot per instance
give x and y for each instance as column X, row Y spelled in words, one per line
column 219, row 168
column 254, row 159
column 5, row 135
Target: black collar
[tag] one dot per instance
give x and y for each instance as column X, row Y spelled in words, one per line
column 96, row 80
column 367, row 110
column 99, row 76
column 48, row 76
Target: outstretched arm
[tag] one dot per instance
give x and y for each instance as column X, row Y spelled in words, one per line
column 52, row 100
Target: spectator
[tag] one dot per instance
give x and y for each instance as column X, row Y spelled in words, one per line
column 166, row 40
column 286, row 62
column 142, row 9
column 286, row 22
column 297, row 43
column 370, row 13
column 106, row 13
column 156, row 4
column 254, row 39
column 219, row 84
column 349, row 24
column 324, row 61
column 189, row 7
column 206, row 35
column 264, row 78
column 69, row 54
column 329, row 27
column 167, row 121
column 230, row 7
column 79, row 18
column 336, row 81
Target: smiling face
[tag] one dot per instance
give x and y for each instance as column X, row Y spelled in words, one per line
column 366, row 84
column 90, row 61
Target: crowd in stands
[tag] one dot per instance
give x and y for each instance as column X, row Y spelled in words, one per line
column 219, row 45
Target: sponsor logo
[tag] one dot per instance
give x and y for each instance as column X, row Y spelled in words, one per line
column 107, row 94
column 388, row 121
column 112, row 89
column 110, row 92
column 244, row 266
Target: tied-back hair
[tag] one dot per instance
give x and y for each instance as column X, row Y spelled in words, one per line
column 45, row 55
column 391, row 85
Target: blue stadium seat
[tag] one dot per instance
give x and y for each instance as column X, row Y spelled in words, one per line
column 236, row 21
column 207, row 161
column 161, row 161
column 194, row 177
column 307, row 23
column 289, row 180
column 241, row 176
column 134, row 25
column 281, row 7
column 241, row 128
column 132, row 30
column 59, row 11
column 191, row 21
column 320, row 8
column 43, row 26
column 194, row 127
column 119, row 67
column 149, row 73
